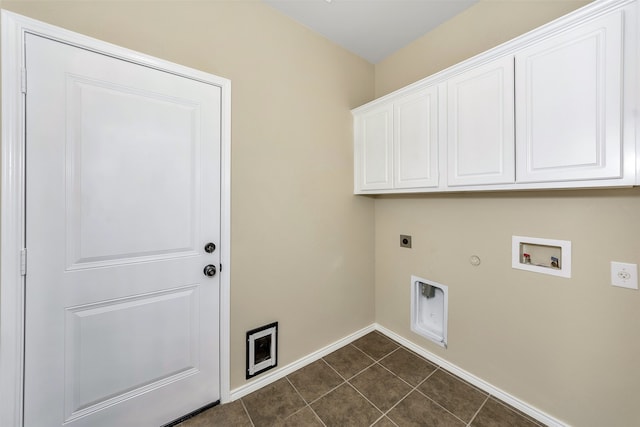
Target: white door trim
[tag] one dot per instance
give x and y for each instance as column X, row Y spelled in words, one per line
column 12, row 190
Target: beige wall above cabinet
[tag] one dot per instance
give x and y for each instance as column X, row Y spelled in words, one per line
column 554, row 108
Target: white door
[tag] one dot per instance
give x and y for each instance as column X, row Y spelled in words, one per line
column 569, row 91
column 122, row 194
column 480, row 127
column 416, row 140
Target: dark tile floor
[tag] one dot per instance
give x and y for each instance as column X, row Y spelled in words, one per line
column 371, row 382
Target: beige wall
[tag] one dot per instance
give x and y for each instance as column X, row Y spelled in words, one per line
column 302, row 244
column 569, row 347
column 486, row 24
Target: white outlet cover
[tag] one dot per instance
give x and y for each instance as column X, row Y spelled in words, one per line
column 624, row 275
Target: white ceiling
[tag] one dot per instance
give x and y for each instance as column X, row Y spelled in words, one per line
column 372, row 29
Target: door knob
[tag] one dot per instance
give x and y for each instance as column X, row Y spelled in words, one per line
column 210, row 270
column 210, row 247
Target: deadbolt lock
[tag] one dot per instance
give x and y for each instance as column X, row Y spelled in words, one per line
column 210, row 247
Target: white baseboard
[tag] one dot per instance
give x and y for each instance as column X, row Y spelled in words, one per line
column 450, row 367
column 300, row 363
column 470, row 378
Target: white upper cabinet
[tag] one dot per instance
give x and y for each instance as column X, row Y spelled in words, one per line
column 480, row 142
column 569, row 98
column 416, row 140
column 374, row 149
column 557, row 107
column 396, row 143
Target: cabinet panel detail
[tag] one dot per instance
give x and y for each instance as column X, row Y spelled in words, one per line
column 416, row 140
column 569, row 91
column 375, row 149
column 480, row 125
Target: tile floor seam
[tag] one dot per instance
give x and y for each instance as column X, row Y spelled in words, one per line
column 463, row 421
column 414, row 388
column 386, row 413
column 479, row 409
column 393, row 373
column 334, row 369
column 391, row 421
column 308, row 404
column 246, row 411
column 362, row 351
column 365, row 398
column 403, row 397
column 428, row 376
column 317, row 416
column 302, row 409
column 359, row 372
column 388, row 354
column 374, row 423
column 296, row 390
column 329, row 391
column 519, row 413
column 454, row 376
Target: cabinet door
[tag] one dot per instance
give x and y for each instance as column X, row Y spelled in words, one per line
column 480, row 121
column 374, row 149
column 416, row 140
column 569, row 90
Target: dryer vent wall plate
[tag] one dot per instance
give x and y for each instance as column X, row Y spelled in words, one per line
column 429, row 309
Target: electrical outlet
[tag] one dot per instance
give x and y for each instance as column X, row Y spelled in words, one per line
column 405, row 241
column 624, row 275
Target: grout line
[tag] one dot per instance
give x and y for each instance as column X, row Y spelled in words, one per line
column 394, row 374
column 362, row 351
column 391, row 421
column 307, row 404
column 463, row 421
column 413, row 388
column 317, row 416
column 479, row 409
column 389, row 354
column 296, row 390
column 376, row 420
column 329, row 391
column 373, row 362
column 397, row 403
column 247, row 412
column 516, row 411
column 370, row 402
column 384, row 413
column 334, row 369
column 429, row 376
column 339, row 385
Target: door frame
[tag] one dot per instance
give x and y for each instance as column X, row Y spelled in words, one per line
column 12, row 193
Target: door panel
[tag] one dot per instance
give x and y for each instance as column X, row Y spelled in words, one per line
column 101, row 230
column 163, row 323
column 123, row 192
